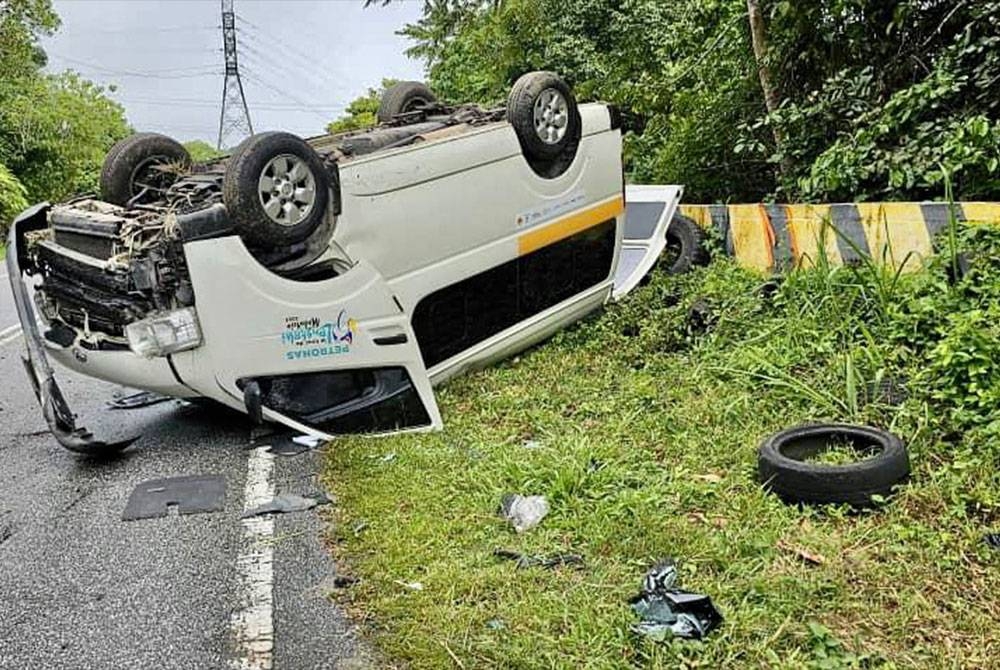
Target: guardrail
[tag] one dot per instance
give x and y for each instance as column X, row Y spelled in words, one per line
column 778, row 237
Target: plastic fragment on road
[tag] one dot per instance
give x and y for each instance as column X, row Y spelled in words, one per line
column 523, row 512
column 287, row 444
column 137, row 400
column 191, row 494
column 287, row 502
column 523, row 561
column 666, row 611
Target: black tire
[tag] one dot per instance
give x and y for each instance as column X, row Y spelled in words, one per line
column 245, row 203
column 527, row 91
column 406, row 96
column 131, row 165
column 685, row 246
column 784, row 471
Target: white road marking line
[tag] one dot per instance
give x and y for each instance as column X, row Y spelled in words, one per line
column 10, row 334
column 253, row 623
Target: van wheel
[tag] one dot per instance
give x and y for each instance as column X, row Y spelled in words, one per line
column 144, row 164
column 685, row 246
column 406, row 96
column 543, row 111
column 275, row 189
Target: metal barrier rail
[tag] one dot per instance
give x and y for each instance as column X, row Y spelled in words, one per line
column 778, row 237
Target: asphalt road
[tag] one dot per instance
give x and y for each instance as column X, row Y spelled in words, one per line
column 80, row 588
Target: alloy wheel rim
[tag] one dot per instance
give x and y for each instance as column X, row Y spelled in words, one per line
column 551, row 116
column 287, row 190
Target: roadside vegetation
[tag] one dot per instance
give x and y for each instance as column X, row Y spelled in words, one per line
column 54, row 128
column 641, row 426
column 743, row 100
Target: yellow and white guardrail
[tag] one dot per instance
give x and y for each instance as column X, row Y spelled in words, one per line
column 778, row 237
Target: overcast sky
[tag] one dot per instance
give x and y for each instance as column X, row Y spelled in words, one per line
column 302, row 61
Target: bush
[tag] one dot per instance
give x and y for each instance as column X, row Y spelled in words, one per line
column 13, row 199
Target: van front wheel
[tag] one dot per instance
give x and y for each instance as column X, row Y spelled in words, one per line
column 275, row 189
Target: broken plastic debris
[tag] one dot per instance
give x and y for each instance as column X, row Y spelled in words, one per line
column 191, row 494
column 413, row 586
column 523, row 512
column 666, row 611
column 136, row 400
column 525, row 561
column 286, row 444
column 287, row 502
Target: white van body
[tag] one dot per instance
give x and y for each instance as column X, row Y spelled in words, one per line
column 452, row 252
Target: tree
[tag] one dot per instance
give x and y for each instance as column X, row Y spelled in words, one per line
column 772, row 99
column 201, row 151
column 818, row 99
column 54, row 129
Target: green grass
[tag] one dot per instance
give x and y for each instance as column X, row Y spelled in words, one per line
column 646, row 435
column 3, row 251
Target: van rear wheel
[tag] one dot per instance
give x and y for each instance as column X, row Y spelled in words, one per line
column 544, row 113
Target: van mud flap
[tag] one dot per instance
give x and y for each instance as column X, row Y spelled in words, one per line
column 648, row 211
column 55, row 409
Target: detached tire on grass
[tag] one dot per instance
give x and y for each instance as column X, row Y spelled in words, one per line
column 275, row 189
column 685, row 246
column 784, row 468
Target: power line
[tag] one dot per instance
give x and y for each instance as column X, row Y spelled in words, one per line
column 305, row 66
column 285, row 46
column 281, row 70
column 140, row 32
column 189, row 102
column 305, row 105
column 148, row 74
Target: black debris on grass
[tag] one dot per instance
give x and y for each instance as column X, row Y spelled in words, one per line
column 525, row 561
column 666, row 611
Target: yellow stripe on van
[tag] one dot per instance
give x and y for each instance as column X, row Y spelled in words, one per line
column 569, row 225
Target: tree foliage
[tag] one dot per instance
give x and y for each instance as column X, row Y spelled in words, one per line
column 877, row 98
column 361, row 112
column 54, row 129
column 201, row 151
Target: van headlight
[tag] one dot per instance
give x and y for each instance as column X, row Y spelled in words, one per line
column 165, row 333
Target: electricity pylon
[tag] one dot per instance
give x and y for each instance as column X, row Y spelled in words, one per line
column 234, row 119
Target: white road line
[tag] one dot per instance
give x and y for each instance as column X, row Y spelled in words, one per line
column 252, row 623
column 10, row 334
